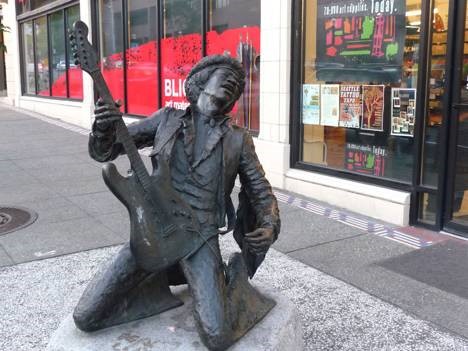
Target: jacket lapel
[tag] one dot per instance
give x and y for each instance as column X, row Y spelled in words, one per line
column 214, row 136
column 166, row 133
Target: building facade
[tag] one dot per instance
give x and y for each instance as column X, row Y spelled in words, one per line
column 358, row 103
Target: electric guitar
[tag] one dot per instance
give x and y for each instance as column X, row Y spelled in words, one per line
column 163, row 228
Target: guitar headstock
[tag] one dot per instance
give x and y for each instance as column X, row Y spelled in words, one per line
column 83, row 52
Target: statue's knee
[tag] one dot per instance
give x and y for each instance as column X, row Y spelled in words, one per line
column 217, row 340
column 84, row 320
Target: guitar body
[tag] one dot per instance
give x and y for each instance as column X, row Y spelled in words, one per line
column 159, row 237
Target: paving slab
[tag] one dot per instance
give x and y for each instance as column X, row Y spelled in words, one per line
column 301, row 229
column 5, row 260
column 69, row 172
column 7, row 166
column 39, row 241
column 19, row 193
column 47, row 162
column 356, row 261
column 78, row 187
column 53, row 210
column 98, row 203
column 13, row 179
column 118, row 222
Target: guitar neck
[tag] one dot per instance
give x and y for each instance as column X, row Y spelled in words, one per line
column 122, row 133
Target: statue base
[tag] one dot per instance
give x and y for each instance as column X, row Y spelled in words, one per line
column 280, row 330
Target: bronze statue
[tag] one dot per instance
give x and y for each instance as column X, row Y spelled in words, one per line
column 176, row 212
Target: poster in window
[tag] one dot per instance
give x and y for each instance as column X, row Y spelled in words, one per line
column 311, row 104
column 330, row 104
column 373, row 107
column 360, row 40
column 403, row 112
column 366, row 159
column 350, row 106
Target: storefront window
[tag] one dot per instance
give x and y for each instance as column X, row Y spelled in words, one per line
column 132, row 38
column 239, row 36
column 42, row 56
column 142, row 57
column 437, row 79
column 359, row 85
column 112, row 49
column 28, row 61
column 58, row 59
column 45, row 49
column 75, row 76
column 181, row 48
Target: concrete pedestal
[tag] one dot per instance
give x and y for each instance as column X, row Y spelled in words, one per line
column 280, row 330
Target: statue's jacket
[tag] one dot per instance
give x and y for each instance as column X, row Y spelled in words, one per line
column 257, row 204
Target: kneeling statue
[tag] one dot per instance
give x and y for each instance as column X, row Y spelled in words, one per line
column 178, row 211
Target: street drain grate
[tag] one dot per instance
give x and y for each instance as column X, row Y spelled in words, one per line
column 15, row 218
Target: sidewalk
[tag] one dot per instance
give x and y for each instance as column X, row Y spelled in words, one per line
column 358, row 284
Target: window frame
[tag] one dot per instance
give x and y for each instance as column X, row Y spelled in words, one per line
column 31, row 16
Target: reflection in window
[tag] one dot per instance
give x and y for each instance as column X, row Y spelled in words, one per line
column 75, row 76
column 142, row 69
column 58, row 60
column 358, row 93
column 28, row 5
column 42, row 56
column 28, row 57
column 239, row 36
column 180, row 48
column 112, row 60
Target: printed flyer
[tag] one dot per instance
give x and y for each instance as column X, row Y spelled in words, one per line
column 311, row 104
column 330, row 104
column 373, row 107
column 403, row 112
column 360, row 40
column 350, row 106
column 366, row 159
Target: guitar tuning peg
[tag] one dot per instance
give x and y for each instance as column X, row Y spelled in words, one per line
column 71, row 36
column 75, row 55
column 77, row 62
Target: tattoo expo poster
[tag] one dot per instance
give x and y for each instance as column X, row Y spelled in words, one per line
column 360, row 40
column 373, row 107
column 403, row 112
column 311, row 104
column 350, row 106
column 330, row 104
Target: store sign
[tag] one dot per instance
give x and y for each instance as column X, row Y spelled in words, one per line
column 360, row 40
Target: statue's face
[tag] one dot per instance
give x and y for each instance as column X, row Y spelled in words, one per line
column 219, row 94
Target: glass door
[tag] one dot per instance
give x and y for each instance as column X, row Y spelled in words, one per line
column 456, row 209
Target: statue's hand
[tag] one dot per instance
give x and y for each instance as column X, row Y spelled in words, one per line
column 260, row 240
column 106, row 115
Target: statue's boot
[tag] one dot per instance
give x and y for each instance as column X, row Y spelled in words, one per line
column 246, row 305
column 123, row 293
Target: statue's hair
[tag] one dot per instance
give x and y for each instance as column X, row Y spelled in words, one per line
column 200, row 73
